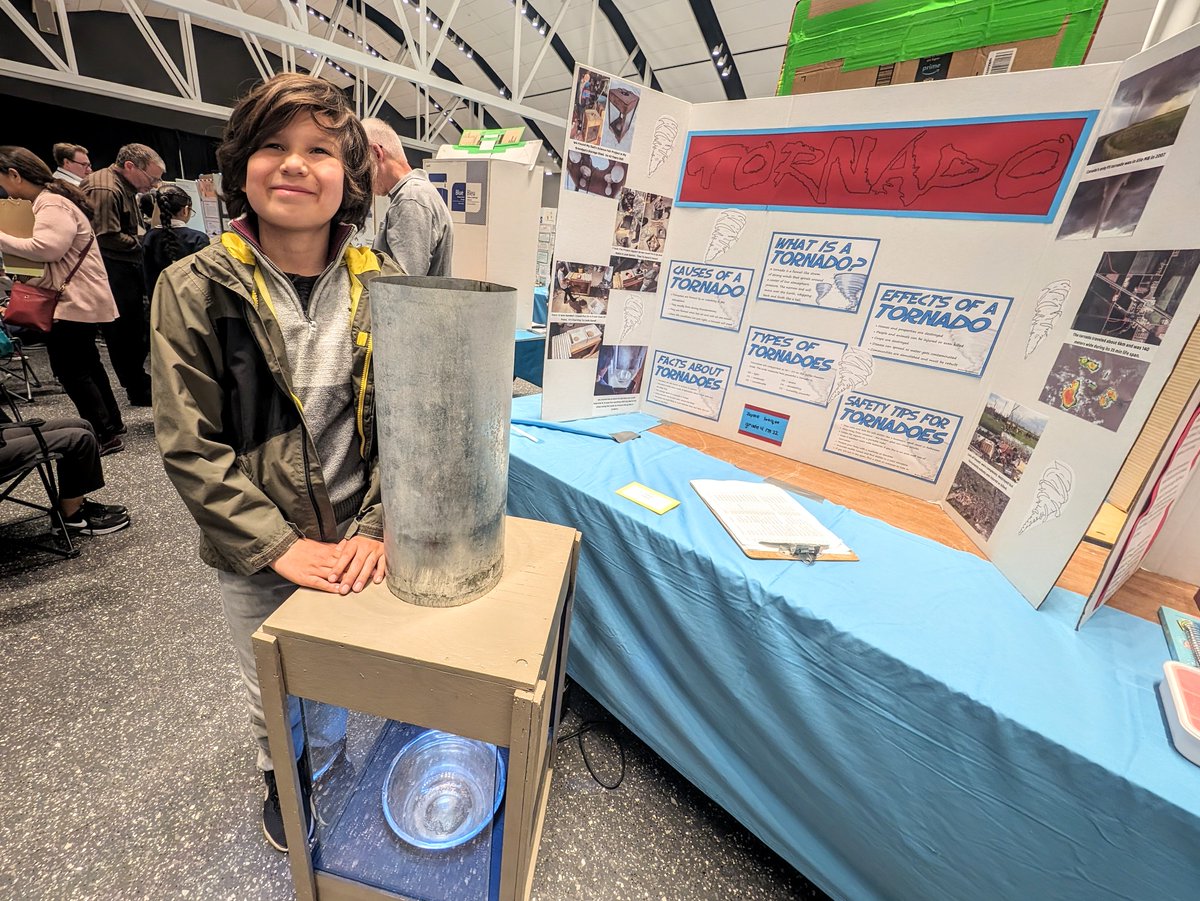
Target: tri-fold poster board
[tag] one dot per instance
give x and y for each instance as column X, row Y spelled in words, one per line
column 971, row 291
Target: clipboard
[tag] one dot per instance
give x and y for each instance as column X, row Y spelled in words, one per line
column 16, row 219
column 785, row 529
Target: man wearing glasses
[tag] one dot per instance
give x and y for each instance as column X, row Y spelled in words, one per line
column 74, row 164
column 113, row 193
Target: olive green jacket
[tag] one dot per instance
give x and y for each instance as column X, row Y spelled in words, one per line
column 228, row 424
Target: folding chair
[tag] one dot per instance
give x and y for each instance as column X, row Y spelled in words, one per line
column 12, row 475
column 14, row 363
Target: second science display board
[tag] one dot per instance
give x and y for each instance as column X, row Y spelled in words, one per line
column 977, row 309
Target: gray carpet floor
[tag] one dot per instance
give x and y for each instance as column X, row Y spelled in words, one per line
column 127, row 768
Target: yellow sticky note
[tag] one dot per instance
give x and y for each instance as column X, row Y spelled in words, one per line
column 648, row 497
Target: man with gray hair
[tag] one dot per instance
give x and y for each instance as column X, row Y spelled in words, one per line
column 416, row 230
column 113, row 192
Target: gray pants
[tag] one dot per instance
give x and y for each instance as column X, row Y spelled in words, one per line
column 248, row 600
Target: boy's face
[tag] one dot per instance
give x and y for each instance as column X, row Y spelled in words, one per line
column 295, row 179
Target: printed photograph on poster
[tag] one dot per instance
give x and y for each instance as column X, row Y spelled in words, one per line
column 1134, row 294
column 827, row 271
column 1097, row 386
column 894, row 435
column 622, row 112
column 620, row 369
column 642, row 221
column 588, row 105
column 933, row 327
column 799, row 367
column 593, row 174
column 632, row 274
column 574, row 340
column 687, row 384
column 976, row 499
column 580, row 288
column 1005, row 436
column 706, row 295
column 1148, row 109
column 1109, row 207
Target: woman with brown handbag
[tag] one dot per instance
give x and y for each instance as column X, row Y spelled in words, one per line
column 63, row 239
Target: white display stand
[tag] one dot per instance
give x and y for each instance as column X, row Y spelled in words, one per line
column 495, row 205
column 971, row 291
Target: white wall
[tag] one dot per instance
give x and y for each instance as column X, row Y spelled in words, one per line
column 1122, row 30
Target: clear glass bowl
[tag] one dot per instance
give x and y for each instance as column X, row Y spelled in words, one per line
column 442, row 789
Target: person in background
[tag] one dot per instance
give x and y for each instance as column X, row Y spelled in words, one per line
column 61, row 234
column 260, row 349
column 79, row 469
column 74, row 164
column 416, row 231
column 113, row 194
column 172, row 240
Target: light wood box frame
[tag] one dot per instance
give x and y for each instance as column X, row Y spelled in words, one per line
column 492, row 669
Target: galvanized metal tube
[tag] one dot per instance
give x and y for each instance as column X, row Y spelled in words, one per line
column 443, row 358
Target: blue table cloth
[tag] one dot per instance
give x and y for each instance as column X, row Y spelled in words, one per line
column 529, row 358
column 906, row 726
column 541, row 300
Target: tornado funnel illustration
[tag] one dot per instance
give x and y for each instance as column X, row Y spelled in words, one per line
column 822, row 288
column 850, row 285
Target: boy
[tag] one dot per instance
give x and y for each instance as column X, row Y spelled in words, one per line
column 262, row 388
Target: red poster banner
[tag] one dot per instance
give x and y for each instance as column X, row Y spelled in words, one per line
column 988, row 169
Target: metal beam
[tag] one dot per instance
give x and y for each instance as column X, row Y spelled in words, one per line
column 117, row 90
column 156, row 47
column 410, row 44
column 259, row 56
column 187, row 39
column 520, row 97
column 205, row 9
column 330, row 34
column 38, row 41
column 64, row 26
column 445, row 28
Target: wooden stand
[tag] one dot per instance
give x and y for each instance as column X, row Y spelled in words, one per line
column 624, row 101
column 592, row 122
column 491, row 670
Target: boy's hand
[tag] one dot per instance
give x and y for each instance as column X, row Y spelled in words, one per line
column 308, row 564
column 359, row 560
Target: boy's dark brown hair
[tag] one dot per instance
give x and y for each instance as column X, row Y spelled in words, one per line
column 269, row 108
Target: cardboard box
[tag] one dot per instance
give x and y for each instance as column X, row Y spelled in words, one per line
column 16, row 219
column 994, row 59
column 840, row 44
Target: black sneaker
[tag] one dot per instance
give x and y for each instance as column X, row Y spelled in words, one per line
column 272, row 816
column 113, row 445
column 92, row 521
column 93, row 508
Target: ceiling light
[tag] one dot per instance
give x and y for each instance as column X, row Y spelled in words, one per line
column 725, row 72
column 723, row 60
column 542, row 30
column 717, row 48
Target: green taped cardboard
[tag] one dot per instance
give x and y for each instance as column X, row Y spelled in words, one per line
column 884, row 32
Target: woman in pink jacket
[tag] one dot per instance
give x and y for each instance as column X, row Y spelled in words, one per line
column 62, row 231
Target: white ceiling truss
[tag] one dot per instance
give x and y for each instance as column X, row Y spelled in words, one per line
column 413, row 54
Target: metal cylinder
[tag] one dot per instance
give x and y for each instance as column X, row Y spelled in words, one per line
column 443, row 357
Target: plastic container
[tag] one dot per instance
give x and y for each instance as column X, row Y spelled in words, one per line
column 442, row 789
column 1180, row 691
